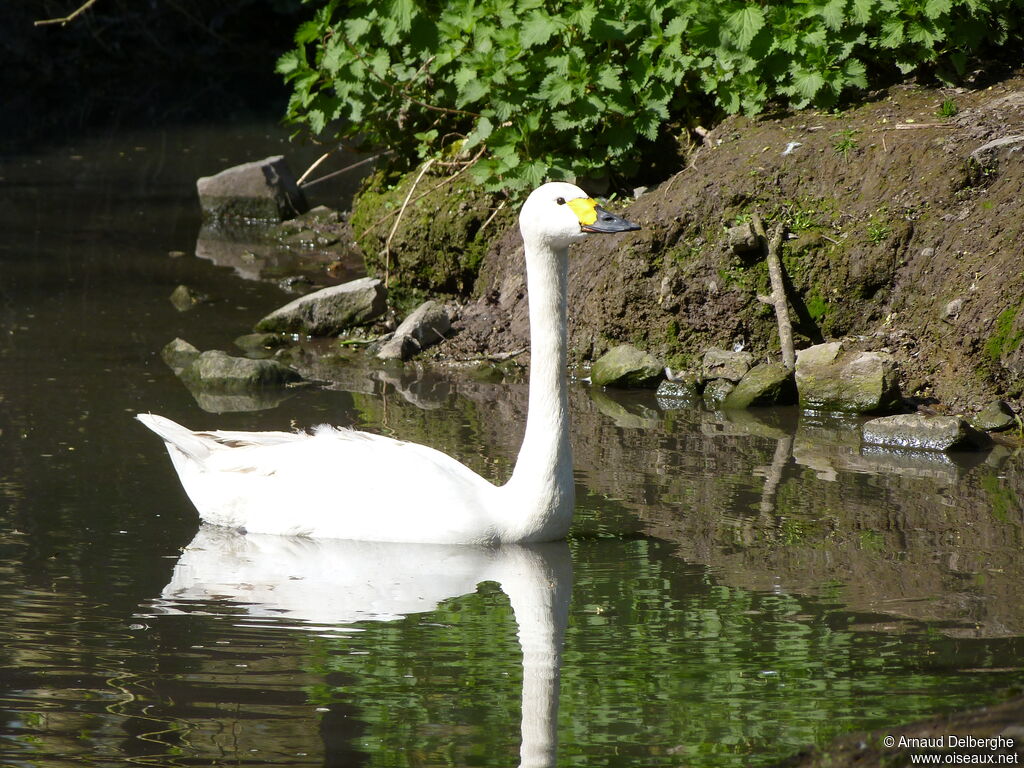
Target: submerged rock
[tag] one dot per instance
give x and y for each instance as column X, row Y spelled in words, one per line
column 184, row 298
column 915, row 431
column 425, row 326
column 764, row 384
column 725, row 364
column 626, row 366
column 264, row 190
column 219, row 371
column 178, row 354
column 262, row 344
column 853, row 382
column 675, row 394
column 330, row 310
column 995, row 417
column 716, row 392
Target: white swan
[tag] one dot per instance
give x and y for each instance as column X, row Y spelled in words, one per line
column 343, row 484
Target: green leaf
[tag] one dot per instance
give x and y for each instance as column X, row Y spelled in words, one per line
column 744, row 24
column 480, row 133
column 537, row 29
column 290, row 62
column 557, row 90
column 935, row 8
column 308, row 32
column 833, row 14
column 807, row 84
column 860, row 10
column 892, row 33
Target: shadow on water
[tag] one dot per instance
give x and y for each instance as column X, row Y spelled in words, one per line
column 743, row 584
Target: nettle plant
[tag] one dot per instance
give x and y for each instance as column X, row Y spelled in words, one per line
column 545, row 89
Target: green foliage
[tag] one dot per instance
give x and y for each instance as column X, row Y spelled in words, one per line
column 845, row 142
column 1005, row 339
column 542, row 89
column 948, row 109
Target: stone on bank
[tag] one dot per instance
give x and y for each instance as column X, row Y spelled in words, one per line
column 764, row 384
column 915, row 431
column 329, row 311
column 626, row 366
column 831, row 379
column 265, row 190
column 425, row 326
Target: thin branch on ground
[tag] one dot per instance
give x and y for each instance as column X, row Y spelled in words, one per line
column 401, row 212
column 65, row 19
column 778, row 296
column 497, row 357
column 492, row 216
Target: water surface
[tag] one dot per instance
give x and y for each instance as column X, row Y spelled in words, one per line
column 735, row 586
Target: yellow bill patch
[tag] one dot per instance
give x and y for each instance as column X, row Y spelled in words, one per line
column 585, row 209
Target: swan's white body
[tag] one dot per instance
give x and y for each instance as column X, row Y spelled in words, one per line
column 343, row 484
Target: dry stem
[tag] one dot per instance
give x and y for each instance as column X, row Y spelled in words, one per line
column 65, row 19
column 778, row 297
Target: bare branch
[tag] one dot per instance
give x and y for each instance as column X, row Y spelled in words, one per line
column 65, row 19
column 778, row 297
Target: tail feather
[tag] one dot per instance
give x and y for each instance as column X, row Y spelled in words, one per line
column 194, row 446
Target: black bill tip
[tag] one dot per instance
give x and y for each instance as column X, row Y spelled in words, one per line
column 608, row 222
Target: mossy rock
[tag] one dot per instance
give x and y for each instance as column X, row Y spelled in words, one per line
column 218, row 371
column 438, row 245
column 627, row 366
column 764, row 384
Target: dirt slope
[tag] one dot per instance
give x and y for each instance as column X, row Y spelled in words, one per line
column 904, row 235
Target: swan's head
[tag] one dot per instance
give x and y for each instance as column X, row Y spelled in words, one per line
column 557, row 214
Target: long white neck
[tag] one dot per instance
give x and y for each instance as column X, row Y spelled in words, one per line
column 540, row 491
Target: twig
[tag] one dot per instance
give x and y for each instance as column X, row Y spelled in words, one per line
column 491, row 217
column 65, row 19
column 778, row 297
column 313, row 167
column 340, row 171
column 689, row 166
column 497, row 357
column 401, row 212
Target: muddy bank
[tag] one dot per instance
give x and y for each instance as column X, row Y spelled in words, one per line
column 905, row 231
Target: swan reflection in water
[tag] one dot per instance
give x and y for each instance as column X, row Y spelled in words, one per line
column 327, row 583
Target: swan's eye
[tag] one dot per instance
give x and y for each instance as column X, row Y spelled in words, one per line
column 560, row 200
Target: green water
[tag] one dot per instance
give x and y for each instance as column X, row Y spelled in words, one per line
column 735, row 587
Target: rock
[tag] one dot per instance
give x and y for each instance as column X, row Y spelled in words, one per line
column 184, row 298
column 626, row 366
column 916, row 431
column 743, row 239
column 995, row 417
column 264, row 190
column 725, row 364
column 951, row 311
column 425, row 326
column 329, row 310
column 219, row 371
column 764, row 384
column 262, row 344
column 853, row 382
column 178, row 354
column 717, row 391
column 673, row 395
